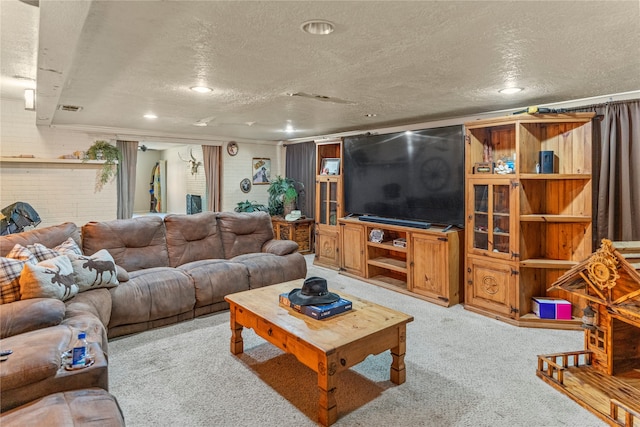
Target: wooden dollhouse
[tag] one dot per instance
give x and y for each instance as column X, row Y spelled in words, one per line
column 605, row 376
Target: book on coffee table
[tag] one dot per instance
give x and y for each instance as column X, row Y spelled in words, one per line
column 319, row 312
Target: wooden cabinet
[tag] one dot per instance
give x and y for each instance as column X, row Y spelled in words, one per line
column 526, row 228
column 300, row 231
column 353, row 259
column 492, row 227
column 421, row 263
column 493, row 286
column 435, row 267
column 329, row 205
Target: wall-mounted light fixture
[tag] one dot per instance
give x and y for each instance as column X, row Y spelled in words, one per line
column 30, row 99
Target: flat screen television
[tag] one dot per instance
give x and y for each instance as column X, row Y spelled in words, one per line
column 416, row 176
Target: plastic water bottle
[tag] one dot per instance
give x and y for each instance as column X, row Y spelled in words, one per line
column 79, row 350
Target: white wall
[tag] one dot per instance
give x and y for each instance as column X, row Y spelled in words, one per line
column 67, row 192
column 236, row 168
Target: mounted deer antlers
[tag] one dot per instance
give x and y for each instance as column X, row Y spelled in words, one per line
column 193, row 163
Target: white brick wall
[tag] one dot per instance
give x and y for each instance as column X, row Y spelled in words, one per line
column 61, row 193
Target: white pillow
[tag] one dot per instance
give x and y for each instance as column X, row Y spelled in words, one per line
column 52, row 278
column 94, row 271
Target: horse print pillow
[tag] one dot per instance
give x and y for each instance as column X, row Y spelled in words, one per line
column 52, row 278
column 94, row 271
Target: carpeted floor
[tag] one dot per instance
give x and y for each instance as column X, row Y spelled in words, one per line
column 463, row 369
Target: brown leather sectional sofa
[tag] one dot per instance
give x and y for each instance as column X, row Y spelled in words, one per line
column 169, row 270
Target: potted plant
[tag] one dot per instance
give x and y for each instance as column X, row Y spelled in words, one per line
column 248, row 206
column 110, row 154
column 282, row 196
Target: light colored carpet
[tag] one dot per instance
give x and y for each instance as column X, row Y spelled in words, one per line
column 463, row 369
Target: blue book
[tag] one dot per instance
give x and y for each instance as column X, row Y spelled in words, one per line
column 318, row 312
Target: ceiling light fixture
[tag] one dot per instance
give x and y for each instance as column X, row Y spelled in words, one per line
column 510, row 90
column 201, row 89
column 30, row 99
column 317, row 27
column 150, row 116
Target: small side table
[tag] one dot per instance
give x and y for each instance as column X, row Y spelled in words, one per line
column 300, row 231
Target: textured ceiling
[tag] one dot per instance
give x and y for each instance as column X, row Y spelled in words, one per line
column 405, row 62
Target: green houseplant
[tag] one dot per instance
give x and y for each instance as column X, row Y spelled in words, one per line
column 282, row 196
column 247, row 206
column 110, row 154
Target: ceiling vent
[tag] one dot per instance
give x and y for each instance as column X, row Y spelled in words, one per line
column 72, row 108
column 322, row 98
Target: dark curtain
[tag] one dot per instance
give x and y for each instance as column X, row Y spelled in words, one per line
column 301, row 167
column 616, row 174
column 211, row 157
column 126, row 179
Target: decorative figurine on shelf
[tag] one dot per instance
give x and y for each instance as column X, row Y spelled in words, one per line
column 376, row 235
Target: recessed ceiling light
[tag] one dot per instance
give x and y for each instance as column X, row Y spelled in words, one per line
column 150, row 116
column 317, row 27
column 510, row 90
column 201, row 89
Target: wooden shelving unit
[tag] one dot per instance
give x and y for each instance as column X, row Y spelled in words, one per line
column 329, row 205
column 428, row 267
column 525, row 229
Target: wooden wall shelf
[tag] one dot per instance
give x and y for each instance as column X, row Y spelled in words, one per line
column 550, row 176
column 51, row 161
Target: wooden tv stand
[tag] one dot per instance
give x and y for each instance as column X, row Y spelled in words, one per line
column 428, row 267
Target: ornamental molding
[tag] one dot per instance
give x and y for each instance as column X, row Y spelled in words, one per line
column 602, row 268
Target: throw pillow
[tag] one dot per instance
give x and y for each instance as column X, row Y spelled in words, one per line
column 10, row 270
column 52, row 278
column 122, row 274
column 95, row 271
column 41, row 252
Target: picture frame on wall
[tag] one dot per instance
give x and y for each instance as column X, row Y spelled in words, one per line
column 245, row 185
column 232, row 148
column 330, row 166
column 261, row 171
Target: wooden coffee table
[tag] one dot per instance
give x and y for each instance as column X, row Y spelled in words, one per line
column 327, row 346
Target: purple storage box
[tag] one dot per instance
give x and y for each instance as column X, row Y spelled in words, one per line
column 551, row 308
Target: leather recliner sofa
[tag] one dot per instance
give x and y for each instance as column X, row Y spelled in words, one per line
column 169, row 269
